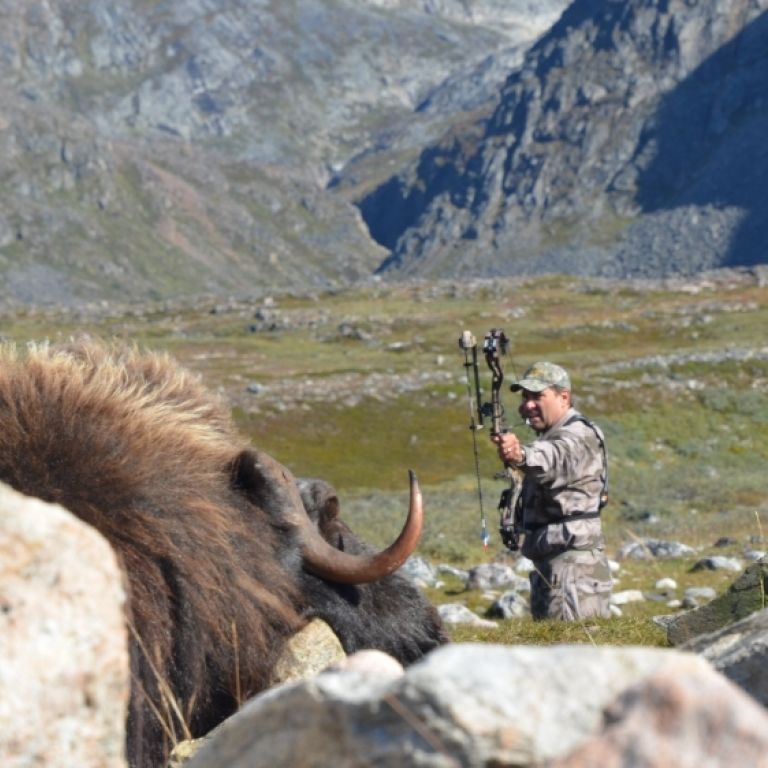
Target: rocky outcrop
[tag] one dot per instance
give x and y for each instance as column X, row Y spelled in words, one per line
column 745, row 596
column 630, row 142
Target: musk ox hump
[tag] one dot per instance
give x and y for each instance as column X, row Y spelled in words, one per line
column 272, row 487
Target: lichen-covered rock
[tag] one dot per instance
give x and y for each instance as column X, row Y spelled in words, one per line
column 745, row 596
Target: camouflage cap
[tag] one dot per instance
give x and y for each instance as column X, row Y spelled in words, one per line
column 542, row 375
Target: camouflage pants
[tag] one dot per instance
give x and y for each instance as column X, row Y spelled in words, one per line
column 570, row 586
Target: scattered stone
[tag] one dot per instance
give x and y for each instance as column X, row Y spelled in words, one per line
column 718, row 563
column 700, row 593
column 420, row 571
column 511, row 605
column 649, row 548
column 457, row 613
column 490, row 575
column 627, row 596
column 666, row 585
column 460, row 573
column 656, row 597
column 353, row 332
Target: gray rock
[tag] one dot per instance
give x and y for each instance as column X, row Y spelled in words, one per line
column 627, row 596
column 649, row 548
column 718, row 563
column 695, row 596
column 420, row 571
column 457, row 613
column 740, row 652
column 459, row 573
column 491, row 575
column 511, row 605
column 463, row 704
column 700, row 593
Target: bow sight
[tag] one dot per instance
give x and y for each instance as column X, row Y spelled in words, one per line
column 495, row 344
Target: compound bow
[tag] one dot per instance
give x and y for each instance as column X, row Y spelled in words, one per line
column 495, row 345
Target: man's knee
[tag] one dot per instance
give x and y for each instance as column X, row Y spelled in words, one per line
column 575, row 585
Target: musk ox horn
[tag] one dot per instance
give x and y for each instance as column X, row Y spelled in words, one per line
column 331, row 564
column 275, row 489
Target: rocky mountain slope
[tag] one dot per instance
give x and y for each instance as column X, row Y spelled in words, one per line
column 151, row 149
column 630, row 142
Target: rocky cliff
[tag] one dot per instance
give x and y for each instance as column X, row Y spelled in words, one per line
column 630, row 142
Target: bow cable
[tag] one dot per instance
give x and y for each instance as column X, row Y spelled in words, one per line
column 468, row 344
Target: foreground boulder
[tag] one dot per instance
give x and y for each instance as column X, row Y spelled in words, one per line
column 479, row 705
column 677, row 718
column 64, row 673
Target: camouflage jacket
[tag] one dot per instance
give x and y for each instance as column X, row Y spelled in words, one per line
column 565, row 477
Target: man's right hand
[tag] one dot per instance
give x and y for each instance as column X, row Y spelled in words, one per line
column 509, row 448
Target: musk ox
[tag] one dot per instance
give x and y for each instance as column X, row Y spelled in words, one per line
column 225, row 554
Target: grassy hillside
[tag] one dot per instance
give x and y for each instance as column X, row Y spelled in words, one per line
column 360, row 385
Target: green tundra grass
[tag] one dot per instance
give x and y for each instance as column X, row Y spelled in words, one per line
column 358, row 386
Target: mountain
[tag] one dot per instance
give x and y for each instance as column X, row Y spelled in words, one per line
column 631, row 142
column 152, row 149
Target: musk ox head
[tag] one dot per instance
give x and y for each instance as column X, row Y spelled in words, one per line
column 225, row 557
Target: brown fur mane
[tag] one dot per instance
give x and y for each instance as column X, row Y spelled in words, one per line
column 139, row 449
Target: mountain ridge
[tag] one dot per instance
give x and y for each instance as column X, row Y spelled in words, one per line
column 152, row 149
column 621, row 147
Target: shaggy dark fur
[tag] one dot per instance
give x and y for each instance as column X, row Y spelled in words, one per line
column 136, row 447
column 391, row 615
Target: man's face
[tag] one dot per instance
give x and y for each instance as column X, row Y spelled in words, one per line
column 544, row 409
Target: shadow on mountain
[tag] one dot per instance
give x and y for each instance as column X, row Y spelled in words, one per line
column 710, row 145
column 396, row 205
